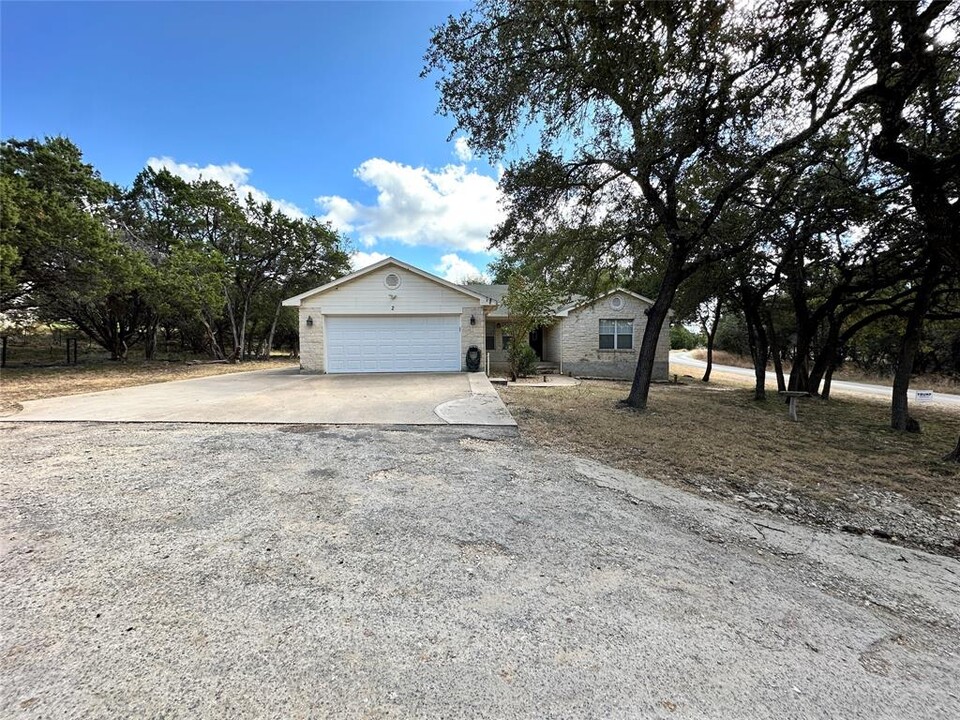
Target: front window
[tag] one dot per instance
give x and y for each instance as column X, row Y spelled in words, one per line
column 491, row 340
column 616, row 334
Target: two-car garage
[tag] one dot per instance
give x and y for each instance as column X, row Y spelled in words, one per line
column 392, row 343
column 389, row 317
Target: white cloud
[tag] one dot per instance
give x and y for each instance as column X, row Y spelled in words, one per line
column 454, row 268
column 340, row 212
column 360, row 259
column 231, row 175
column 451, row 208
column 462, row 149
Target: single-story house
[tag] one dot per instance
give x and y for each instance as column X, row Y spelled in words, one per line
column 394, row 317
column 590, row 337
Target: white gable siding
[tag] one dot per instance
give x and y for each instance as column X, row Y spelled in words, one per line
column 367, row 295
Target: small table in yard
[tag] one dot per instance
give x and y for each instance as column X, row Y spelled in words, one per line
column 793, row 396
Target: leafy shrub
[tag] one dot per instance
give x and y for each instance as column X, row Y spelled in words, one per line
column 682, row 339
column 523, row 360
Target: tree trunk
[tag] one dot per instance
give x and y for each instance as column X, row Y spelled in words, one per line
column 711, row 336
column 775, row 352
column 208, row 326
column 778, row 369
column 656, row 316
column 899, row 412
column 237, row 347
column 829, row 357
column 150, row 340
column 757, row 338
column 827, row 382
column 243, row 331
column 118, row 352
column 273, row 329
column 760, row 364
column 955, row 455
column 799, row 376
column 118, row 348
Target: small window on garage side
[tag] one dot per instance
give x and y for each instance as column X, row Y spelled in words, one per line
column 616, row 334
column 491, row 339
column 506, row 342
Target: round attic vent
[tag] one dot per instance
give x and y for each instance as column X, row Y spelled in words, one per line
column 616, row 302
column 392, row 281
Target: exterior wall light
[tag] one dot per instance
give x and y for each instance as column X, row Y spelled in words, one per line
column 473, row 320
column 309, row 321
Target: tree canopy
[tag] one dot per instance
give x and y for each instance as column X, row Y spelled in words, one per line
column 670, row 138
column 185, row 259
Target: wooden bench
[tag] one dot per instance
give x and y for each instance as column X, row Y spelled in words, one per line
column 793, row 396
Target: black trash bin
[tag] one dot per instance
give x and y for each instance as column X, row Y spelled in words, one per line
column 473, row 358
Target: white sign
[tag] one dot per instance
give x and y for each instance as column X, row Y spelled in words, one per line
column 924, row 395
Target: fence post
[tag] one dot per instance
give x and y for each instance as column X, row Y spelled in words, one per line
column 71, row 359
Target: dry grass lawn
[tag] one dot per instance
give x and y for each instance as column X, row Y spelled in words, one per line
column 33, row 383
column 839, row 462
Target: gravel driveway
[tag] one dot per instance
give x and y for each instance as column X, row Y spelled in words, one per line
column 288, row 572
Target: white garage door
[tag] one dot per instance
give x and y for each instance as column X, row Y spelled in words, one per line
column 392, row 343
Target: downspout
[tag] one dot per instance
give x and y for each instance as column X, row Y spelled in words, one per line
column 561, row 347
column 486, row 319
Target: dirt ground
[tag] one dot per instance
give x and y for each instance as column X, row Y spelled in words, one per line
column 839, row 467
column 230, row 572
column 34, row 383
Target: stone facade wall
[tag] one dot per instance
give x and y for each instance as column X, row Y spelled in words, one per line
column 498, row 356
column 551, row 343
column 581, row 340
column 472, row 335
column 311, row 340
column 661, row 365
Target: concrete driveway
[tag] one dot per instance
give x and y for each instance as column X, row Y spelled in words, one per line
column 251, row 571
column 285, row 396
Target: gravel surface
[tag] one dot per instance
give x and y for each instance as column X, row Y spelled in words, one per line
column 283, row 572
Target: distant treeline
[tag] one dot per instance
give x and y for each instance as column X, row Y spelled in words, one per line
column 164, row 258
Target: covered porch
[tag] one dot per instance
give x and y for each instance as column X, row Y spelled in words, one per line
column 545, row 342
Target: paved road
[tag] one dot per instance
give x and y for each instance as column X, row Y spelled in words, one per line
column 941, row 399
column 243, row 571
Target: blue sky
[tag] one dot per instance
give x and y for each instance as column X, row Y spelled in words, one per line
column 316, row 105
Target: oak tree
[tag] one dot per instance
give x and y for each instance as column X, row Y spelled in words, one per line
column 650, row 119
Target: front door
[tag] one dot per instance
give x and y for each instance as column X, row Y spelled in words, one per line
column 536, row 342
